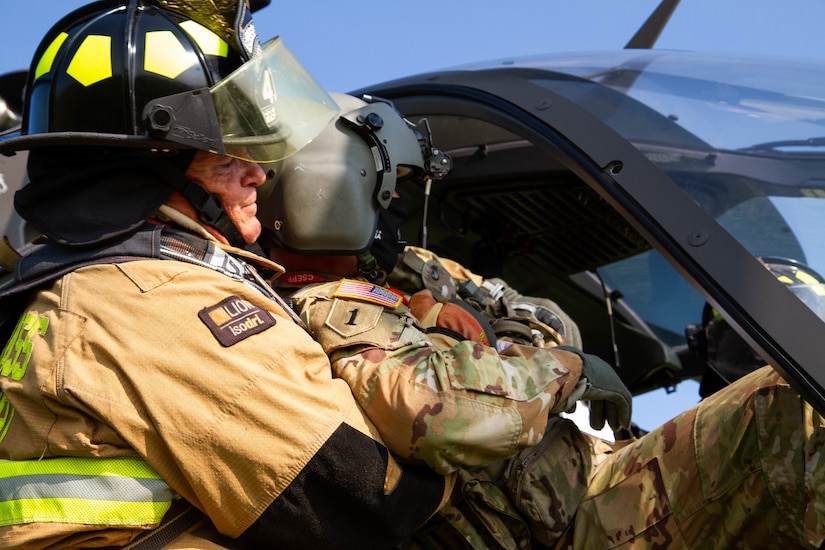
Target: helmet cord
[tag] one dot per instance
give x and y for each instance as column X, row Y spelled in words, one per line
column 428, row 183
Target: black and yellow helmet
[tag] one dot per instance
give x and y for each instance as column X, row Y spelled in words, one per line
column 121, row 92
column 97, row 70
column 144, row 73
column 728, row 355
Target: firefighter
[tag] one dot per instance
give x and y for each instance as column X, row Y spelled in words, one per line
column 744, row 468
column 151, row 363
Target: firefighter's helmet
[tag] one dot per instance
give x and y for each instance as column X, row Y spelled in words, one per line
column 164, row 74
column 728, row 355
column 119, row 94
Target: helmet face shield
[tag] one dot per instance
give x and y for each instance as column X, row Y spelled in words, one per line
column 270, row 107
column 813, row 295
column 803, row 281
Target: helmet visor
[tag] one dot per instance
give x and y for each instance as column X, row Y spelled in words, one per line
column 813, row 295
column 270, row 107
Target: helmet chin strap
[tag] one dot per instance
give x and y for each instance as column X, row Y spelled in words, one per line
column 210, row 211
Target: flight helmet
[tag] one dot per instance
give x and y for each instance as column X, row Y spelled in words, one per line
column 325, row 199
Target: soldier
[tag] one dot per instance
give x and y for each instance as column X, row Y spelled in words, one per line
column 508, row 391
column 152, row 363
column 742, row 469
column 448, row 393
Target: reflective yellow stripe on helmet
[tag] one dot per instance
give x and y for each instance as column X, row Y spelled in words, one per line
column 94, row 491
column 45, row 63
column 209, row 42
column 92, row 62
column 166, row 56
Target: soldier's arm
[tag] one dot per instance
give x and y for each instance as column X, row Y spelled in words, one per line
column 449, row 404
column 527, row 319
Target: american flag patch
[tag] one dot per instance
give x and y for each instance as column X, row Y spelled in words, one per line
column 367, row 292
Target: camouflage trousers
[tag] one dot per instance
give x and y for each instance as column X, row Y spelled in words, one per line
column 743, row 469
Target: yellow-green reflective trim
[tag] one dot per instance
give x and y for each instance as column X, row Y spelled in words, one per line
column 92, row 62
column 6, row 415
column 45, row 63
column 94, row 491
column 165, row 55
column 208, row 42
column 120, row 466
column 818, row 193
column 83, row 511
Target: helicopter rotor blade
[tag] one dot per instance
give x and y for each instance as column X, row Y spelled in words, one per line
column 649, row 32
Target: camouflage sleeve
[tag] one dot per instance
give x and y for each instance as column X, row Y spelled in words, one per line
column 534, row 320
column 448, row 406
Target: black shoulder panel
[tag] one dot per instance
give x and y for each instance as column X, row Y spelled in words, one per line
column 338, row 500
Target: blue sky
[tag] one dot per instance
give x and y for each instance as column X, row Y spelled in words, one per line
column 347, row 45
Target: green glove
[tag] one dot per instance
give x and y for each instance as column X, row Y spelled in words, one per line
column 609, row 399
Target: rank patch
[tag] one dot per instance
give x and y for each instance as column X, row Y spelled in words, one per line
column 367, row 292
column 234, row 319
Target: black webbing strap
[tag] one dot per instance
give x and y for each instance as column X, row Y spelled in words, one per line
column 210, row 211
column 180, row 517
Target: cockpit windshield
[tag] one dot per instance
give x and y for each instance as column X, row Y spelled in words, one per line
column 743, row 137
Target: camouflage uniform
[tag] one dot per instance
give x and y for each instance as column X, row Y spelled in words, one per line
column 742, row 469
column 457, row 404
column 440, row 401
